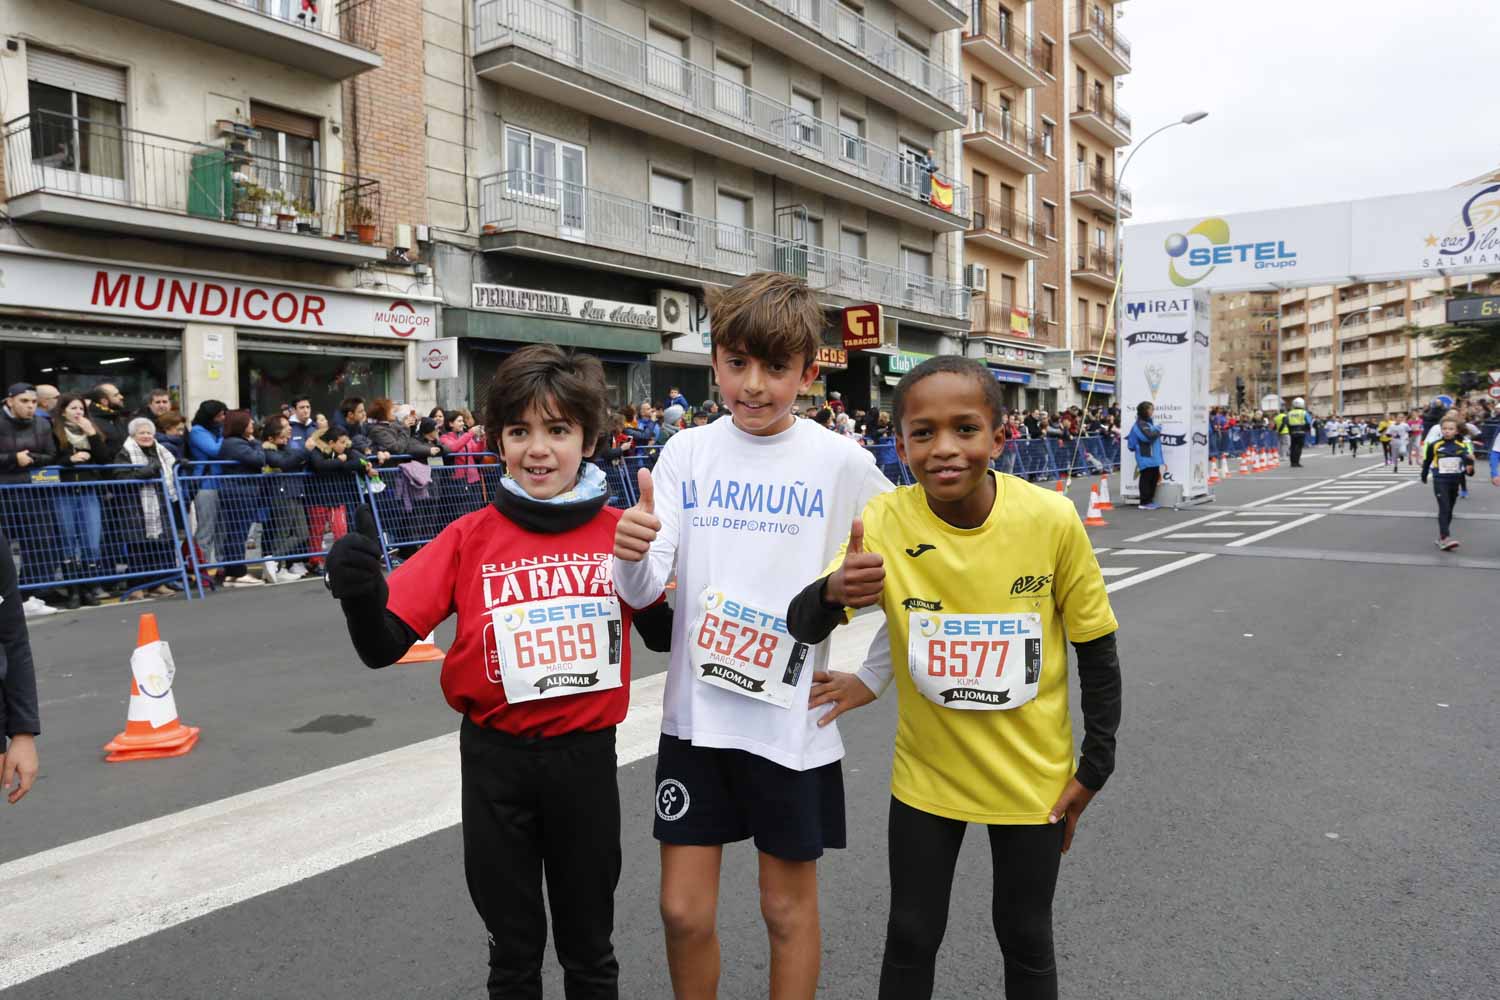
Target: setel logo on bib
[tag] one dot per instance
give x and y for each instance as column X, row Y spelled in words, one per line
column 555, row 647
column 975, row 662
column 743, row 649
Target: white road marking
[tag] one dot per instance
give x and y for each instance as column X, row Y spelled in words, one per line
column 1146, row 552
column 1109, row 571
column 1240, row 523
column 1206, row 534
column 118, row 887
column 1152, row 574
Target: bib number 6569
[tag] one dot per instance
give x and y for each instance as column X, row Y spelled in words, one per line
column 555, row 644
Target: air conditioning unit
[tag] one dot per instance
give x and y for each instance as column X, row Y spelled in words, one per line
column 977, row 277
column 673, row 311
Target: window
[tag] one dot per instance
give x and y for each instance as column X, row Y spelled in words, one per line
column 911, row 155
column 77, row 118
column 1101, row 238
column 1049, row 136
column 851, row 22
column 1099, row 315
column 1049, row 55
column 817, row 257
column 1007, row 289
column 917, row 266
column 851, row 255
column 1049, row 302
column 851, row 137
column 666, row 60
column 1082, row 314
column 534, row 163
column 286, row 153
column 1082, row 249
column 1002, row 22
column 979, row 187
column 669, row 198
column 1049, row 220
column 733, row 219
column 805, row 119
column 730, row 94
column 1081, row 85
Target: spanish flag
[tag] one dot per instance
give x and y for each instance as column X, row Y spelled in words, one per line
column 942, row 194
column 1020, row 322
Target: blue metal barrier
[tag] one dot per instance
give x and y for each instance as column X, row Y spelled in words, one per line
column 111, row 529
column 409, row 515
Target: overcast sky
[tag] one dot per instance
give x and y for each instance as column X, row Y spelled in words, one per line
column 1309, row 100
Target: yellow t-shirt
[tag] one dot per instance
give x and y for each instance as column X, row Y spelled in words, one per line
column 1029, row 567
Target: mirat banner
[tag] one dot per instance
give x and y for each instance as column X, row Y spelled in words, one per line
column 1164, row 357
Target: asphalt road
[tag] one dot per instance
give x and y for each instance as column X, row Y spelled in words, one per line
column 1304, row 806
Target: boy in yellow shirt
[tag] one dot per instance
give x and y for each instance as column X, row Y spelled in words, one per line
column 983, row 579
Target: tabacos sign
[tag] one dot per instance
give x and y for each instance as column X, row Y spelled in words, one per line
column 1195, row 253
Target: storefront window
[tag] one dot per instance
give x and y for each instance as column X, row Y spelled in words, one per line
column 269, row 379
column 78, row 369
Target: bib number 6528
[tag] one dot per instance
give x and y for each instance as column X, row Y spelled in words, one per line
column 743, row 642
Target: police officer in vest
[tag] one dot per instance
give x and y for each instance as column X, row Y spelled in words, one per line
column 1298, row 423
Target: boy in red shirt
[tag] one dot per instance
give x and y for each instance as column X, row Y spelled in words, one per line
column 540, row 670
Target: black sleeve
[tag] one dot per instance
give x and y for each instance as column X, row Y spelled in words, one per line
column 1099, row 682
column 655, row 626
column 18, row 704
column 810, row 619
column 380, row 638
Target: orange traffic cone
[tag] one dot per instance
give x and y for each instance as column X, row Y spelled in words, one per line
column 1093, row 519
column 1104, row 503
column 1062, row 484
column 1224, row 471
column 152, row 728
column 425, row 651
column 1245, row 463
column 1213, row 473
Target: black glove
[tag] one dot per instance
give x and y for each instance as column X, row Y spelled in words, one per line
column 356, row 563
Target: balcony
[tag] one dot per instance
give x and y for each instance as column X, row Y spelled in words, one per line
column 338, row 44
column 96, row 175
column 1293, row 367
column 541, row 216
column 935, row 15
column 996, row 134
column 840, row 43
column 1094, row 35
column 997, row 42
column 996, row 318
column 1100, row 118
column 543, row 49
column 1095, row 265
column 1293, row 343
column 1001, row 227
column 1096, row 190
column 1092, row 341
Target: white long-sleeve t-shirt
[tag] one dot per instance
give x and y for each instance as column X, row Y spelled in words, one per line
column 750, row 520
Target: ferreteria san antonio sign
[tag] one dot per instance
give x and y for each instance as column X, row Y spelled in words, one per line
column 536, row 302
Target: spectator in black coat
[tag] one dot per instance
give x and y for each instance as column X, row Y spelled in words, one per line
column 242, row 461
column 107, row 411
column 286, row 534
column 77, row 508
column 26, row 449
column 393, row 442
column 20, row 718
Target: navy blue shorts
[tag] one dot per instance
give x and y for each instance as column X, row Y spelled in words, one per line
column 706, row 796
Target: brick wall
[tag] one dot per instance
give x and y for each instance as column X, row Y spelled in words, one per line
column 384, row 124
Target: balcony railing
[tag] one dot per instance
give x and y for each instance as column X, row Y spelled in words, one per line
column 993, row 316
column 353, row 21
column 986, row 23
column 99, row 160
column 626, row 61
column 1094, row 260
column 847, row 28
column 1088, row 338
column 1106, row 110
column 1088, row 180
column 999, row 219
column 1092, row 21
column 546, row 206
column 1000, row 125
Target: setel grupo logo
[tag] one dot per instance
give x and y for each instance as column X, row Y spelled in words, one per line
column 1207, row 245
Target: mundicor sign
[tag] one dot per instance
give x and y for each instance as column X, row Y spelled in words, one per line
column 539, row 302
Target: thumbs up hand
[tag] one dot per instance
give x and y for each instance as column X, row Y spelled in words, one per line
column 639, row 525
column 356, row 563
column 859, row 581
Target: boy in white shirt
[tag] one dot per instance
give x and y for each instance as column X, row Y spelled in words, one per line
column 745, row 511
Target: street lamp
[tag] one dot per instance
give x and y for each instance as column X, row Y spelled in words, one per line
column 1338, row 345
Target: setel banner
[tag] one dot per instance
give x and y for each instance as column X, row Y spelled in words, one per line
column 1164, row 358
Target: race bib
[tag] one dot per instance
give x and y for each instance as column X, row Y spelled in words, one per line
column 744, row 649
column 556, row 647
column 975, row 662
column 1450, row 465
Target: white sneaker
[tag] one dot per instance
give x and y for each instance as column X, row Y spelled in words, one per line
column 243, row 581
column 35, row 607
column 270, row 568
column 298, row 570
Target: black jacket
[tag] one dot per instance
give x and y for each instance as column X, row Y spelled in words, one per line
column 333, row 483
column 33, row 436
column 387, row 436
column 18, row 704
column 112, row 424
column 281, row 460
column 98, row 455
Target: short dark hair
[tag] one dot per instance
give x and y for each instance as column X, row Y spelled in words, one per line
column 350, row 404
column 768, row 315
column 301, row 399
column 557, row 380
column 955, row 365
column 158, row 391
column 272, row 426
column 236, row 423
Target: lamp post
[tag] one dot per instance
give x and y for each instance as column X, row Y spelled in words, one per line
column 1338, row 347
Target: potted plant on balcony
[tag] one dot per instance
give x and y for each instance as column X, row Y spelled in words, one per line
column 286, row 212
column 362, row 218
column 309, row 223
column 248, row 198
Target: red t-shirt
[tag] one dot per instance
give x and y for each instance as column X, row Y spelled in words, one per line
column 485, row 561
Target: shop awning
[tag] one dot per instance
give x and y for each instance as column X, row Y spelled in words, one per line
column 1088, row 385
column 1007, row 375
column 481, row 325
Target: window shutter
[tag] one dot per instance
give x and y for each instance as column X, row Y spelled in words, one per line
column 58, row 70
column 290, row 122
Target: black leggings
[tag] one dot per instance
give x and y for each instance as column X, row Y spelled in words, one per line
column 1447, row 497
column 923, row 853
column 1147, row 483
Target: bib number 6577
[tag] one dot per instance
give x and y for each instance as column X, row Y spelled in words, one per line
column 965, row 657
column 743, row 642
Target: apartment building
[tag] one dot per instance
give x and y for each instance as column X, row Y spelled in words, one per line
column 1039, row 153
column 1359, row 349
column 1245, row 331
column 595, row 170
column 213, row 195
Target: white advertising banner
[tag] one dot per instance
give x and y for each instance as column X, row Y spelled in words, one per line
column 1452, row 231
column 168, row 296
column 1164, row 359
column 438, row 359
